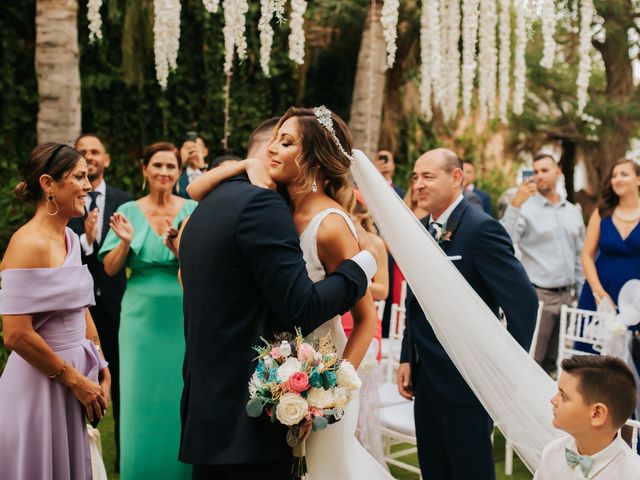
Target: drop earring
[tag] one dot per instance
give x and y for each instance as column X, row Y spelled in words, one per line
column 51, row 198
column 314, row 186
column 144, row 183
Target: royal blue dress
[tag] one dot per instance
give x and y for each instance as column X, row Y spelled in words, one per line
column 617, row 262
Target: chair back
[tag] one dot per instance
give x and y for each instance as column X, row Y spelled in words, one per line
column 583, row 327
column 635, row 426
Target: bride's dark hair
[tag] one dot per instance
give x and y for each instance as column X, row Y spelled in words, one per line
column 319, row 153
column 608, row 198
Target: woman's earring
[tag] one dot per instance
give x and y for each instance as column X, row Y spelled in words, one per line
column 314, row 186
column 51, row 198
column 144, row 183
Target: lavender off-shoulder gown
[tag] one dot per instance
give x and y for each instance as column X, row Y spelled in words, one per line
column 42, row 426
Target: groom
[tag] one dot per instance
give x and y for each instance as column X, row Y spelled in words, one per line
column 452, row 428
column 244, row 278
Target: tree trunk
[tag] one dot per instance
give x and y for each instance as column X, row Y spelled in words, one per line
column 615, row 138
column 58, row 71
column 567, row 164
column 369, row 89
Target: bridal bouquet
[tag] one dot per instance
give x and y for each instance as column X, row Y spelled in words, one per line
column 305, row 386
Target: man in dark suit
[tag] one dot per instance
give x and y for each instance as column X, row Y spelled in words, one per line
column 102, row 202
column 453, row 429
column 468, row 179
column 244, row 278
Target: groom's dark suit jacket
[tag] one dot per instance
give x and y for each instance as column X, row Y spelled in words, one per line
column 244, row 277
column 490, row 267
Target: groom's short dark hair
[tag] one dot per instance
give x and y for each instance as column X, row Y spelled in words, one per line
column 604, row 379
column 261, row 131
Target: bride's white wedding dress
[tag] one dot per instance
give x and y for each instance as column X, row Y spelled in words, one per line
column 335, row 453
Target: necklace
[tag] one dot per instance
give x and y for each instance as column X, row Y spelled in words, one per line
column 634, row 217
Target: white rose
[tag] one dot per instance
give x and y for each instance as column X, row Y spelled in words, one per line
column 320, row 398
column 347, row 377
column 287, row 368
column 291, row 409
column 340, row 397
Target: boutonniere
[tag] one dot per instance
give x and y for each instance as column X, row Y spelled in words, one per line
column 443, row 235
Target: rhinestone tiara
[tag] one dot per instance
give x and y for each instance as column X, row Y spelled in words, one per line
column 323, row 114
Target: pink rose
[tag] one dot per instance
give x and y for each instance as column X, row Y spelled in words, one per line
column 275, row 353
column 298, row 382
column 305, row 352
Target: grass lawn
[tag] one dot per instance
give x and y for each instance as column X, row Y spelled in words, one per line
column 520, row 472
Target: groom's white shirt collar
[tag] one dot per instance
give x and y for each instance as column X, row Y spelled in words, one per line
column 444, row 217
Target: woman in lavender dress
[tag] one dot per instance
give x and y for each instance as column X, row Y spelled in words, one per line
column 56, row 371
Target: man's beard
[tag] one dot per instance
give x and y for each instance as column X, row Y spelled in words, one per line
column 94, row 176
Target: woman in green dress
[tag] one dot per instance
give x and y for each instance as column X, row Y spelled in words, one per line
column 151, row 330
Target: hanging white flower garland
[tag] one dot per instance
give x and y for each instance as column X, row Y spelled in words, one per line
column 296, row 37
column 504, row 65
column 266, row 34
column 435, row 57
column 425, row 71
column 451, row 32
column 519, row 64
column 211, row 6
column 487, row 58
column 548, row 21
column 389, row 20
column 584, row 52
column 166, row 37
column 234, row 29
column 95, row 20
column 469, row 40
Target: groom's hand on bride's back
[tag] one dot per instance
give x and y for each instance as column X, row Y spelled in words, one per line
column 403, row 379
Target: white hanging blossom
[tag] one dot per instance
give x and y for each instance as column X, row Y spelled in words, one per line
column 296, row 37
column 469, row 40
column 389, row 20
column 235, row 12
column 425, row 71
column 279, row 8
column 584, row 52
column 504, row 66
column 211, row 6
column 435, row 57
column 519, row 65
column 166, row 37
column 548, row 20
column 95, row 20
column 450, row 33
column 266, row 34
column 487, row 58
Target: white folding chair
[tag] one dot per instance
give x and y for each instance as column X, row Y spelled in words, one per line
column 579, row 326
column 508, row 448
column 398, row 426
column 635, row 427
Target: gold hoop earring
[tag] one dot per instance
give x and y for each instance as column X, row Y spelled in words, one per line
column 144, row 183
column 52, row 198
column 314, row 186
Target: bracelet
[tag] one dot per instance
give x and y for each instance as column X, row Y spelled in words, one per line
column 97, row 347
column 57, row 374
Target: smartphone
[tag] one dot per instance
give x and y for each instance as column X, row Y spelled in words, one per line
column 383, row 158
column 191, row 136
column 527, row 174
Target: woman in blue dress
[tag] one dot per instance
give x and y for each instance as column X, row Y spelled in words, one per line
column 611, row 253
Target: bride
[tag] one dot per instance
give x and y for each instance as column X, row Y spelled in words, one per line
column 308, row 160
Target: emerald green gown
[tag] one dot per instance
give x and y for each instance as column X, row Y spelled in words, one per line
column 151, row 353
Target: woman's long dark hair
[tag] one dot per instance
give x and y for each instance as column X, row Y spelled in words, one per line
column 608, row 198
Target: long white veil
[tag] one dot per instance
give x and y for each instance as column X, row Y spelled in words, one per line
column 507, row 381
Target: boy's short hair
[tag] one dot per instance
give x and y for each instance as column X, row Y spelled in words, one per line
column 605, row 379
column 262, row 130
